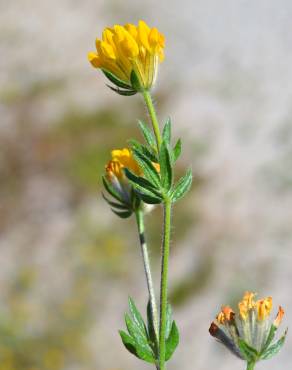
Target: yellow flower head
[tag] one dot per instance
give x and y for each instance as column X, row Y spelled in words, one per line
column 264, row 307
column 128, row 48
column 121, row 158
column 246, row 304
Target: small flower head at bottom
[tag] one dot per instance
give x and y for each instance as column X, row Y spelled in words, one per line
column 250, row 332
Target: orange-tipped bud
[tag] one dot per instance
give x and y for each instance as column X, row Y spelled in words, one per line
column 226, row 315
column 279, row 317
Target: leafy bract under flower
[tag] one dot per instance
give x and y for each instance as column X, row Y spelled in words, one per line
column 127, row 49
column 249, row 333
column 117, row 184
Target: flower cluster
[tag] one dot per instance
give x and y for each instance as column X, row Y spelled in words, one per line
column 249, row 333
column 129, row 56
column 115, row 176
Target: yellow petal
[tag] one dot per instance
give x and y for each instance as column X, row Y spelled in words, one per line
column 154, row 39
column 94, row 59
column 107, row 50
column 97, row 45
column 132, row 29
column 130, row 48
column 143, row 33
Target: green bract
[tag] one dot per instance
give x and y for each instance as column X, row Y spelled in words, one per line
column 141, row 340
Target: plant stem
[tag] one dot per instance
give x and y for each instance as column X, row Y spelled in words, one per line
column 150, row 106
column 146, row 261
column 164, row 281
column 165, row 243
column 250, row 365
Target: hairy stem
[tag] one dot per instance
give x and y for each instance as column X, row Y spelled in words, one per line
column 165, row 242
column 164, row 281
column 146, row 261
column 250, row 366
column 153, row 116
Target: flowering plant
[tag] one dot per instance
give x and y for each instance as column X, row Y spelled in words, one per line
column 143, row 175
column 249, row 334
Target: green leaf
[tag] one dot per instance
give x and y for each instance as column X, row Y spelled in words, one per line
column 141, row 183
column 166, row 133
column 135, row 82
column 149, row 199
column 171, row 342
column 248, row 352
column 111, row 190
column 148, row 152
column 274, row 348
column 122, row 92
column 151, row 330
column 183, row 186
column 147, row 167
column 137, row 317
column 177, row 150
column 128, row 342
column 144, row 188
column 143, row 348
column 148, row 135
column 115, row 80
column 165, row 166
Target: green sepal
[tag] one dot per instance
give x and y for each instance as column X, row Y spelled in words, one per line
column 122, row 92
column 120, row 206
column 121, row 214
column 182, row 187
column 165, row 167
column 176, row 152
column 249, row 353
column 147, row 167
column 135, row 82
column 115, row 80
column 110, row 189
column 147, row 134
column 172, row 341
column 270, row 337
column 166, row 133
column 274, row 348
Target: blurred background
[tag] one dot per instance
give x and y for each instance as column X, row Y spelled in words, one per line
column 67, row 263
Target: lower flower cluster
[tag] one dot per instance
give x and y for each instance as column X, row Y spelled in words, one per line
column 249, row 332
